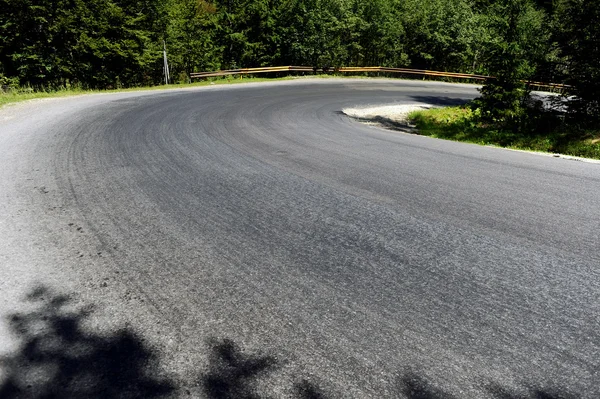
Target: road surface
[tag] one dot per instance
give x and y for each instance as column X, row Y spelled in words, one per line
column 253, row 240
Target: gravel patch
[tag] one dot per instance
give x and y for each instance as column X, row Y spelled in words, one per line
column 388, row 116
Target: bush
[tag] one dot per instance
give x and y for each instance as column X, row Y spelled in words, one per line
column 8, row 84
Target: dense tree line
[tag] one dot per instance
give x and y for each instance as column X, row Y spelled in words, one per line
column 114, row 43
column 100, row 43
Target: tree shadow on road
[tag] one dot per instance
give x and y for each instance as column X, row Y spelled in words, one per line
column 57, row 358
column 414, row 386
column 232, row 373
column 309, row 390
column 498, row 392
column 440, row 101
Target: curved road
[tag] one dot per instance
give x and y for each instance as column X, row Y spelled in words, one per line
column 251, row 239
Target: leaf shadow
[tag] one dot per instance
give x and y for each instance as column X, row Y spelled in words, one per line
column 58, row 358
column 232, row 373
column 415, row 386
column 235, row 374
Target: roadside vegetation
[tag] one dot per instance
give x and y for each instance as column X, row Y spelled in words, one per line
column 110, row 44
column 506, row 114
column 20, row 94
column 545, row 132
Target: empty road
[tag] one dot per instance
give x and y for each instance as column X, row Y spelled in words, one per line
column 243, row 240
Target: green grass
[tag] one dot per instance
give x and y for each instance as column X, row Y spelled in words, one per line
column 22, row 95
column 460, row 124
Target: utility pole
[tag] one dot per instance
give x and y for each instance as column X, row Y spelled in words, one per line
column 166, row 64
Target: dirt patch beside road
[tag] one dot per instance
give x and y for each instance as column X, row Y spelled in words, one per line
column 393, row 117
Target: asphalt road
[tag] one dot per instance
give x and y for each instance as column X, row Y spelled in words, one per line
column 252, row 240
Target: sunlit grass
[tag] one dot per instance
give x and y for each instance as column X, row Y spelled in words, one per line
column 460, row 124
column 16, row 96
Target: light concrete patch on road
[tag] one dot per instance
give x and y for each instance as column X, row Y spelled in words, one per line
column 387, row 116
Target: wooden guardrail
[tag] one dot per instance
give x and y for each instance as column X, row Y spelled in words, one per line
column 401, row 71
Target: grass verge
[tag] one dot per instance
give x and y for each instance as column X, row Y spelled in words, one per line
column 460, row 124
column 14, row 96
column 18, row 95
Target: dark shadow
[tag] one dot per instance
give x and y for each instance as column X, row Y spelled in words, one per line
column 414, row 386
column 308, row 390
column 383, row 122
column 441, row 101
column 390, row 124
column 498, row 392
column 232, row 373
column 57, row 358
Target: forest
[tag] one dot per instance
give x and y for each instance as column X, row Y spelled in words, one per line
column 99, row 44
column 109, row 43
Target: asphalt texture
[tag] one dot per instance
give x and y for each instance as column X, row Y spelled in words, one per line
column 252, row 241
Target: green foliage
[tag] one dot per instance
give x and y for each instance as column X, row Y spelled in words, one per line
column 543, row 132
column 51, row 44
column 8, row 84
column 54, row 44
column 312, row 33
column 581, row 48
column 441, row 34
column 516, row 40
column 109, row 43
column 190, row 37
